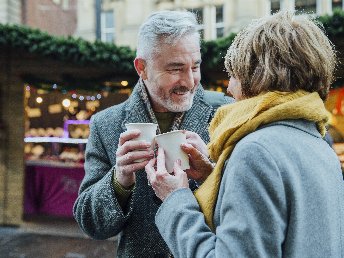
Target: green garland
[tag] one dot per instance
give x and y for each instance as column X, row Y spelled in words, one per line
column 67, row 49
column 83, row 52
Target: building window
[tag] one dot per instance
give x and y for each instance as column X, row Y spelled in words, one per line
column 275, row 6
column 305, row 6
column 107, row 26
column 337, row 4
column 65, row 4
column 199, row 15
column 219, row 22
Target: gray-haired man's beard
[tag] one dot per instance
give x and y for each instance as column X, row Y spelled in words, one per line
column 174, row 107
column 180, row 107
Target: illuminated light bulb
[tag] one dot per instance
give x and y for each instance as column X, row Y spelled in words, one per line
column 39, row 100
column 124, row 83
column 99, row 96
column 74, row 96
column 66, row 103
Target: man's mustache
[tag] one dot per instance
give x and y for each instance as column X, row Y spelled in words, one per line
column 182, row 89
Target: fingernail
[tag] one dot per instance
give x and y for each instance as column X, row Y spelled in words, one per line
column 186, row 145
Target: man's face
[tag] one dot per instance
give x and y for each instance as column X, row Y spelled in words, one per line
column 173, row 74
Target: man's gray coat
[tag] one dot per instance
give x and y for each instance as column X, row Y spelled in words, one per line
column 97, row 210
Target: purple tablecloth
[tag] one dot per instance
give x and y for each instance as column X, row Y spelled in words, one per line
column 51, row 190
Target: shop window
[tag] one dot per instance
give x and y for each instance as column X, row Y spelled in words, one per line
column 337, row 4
column 56, row 133
column 305, row 6
column 275, row 6
column 107, row 26
column 219, row 22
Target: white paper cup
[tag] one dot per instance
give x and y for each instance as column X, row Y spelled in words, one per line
column 148, row 132
column 171, row 142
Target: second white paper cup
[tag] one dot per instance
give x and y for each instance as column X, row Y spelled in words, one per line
column 148, row 132
column 171, row 142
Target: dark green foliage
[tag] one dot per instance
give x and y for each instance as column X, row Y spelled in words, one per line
column 213, row 52
column 67, row 48
column 333, row 24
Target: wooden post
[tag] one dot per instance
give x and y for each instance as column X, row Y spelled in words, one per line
column 11, row 147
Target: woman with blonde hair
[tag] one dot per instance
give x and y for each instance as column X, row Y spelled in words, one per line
column 276, row 189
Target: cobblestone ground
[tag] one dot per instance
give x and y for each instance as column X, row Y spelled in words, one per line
column 15, row 243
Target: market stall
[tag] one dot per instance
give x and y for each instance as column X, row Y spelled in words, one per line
column 51, row 188
column 57, row 128
column 335, row 105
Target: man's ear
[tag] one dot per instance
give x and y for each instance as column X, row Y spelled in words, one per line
column 141, row 67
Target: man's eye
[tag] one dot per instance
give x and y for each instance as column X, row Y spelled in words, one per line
column 175, row 69
column 195, row 68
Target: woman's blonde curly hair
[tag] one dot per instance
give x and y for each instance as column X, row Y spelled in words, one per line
column 282, row 52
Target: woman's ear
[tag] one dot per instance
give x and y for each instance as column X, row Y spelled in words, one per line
column 141, row 67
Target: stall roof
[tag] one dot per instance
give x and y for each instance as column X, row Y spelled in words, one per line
column 41, row 59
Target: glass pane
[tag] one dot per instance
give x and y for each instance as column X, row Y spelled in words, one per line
column 275, row 6
column 109, row 19
column 337, row 4
column 65, row 4
column 219, row 14
column 109, row 37
column 305, row 6
column 219, row 32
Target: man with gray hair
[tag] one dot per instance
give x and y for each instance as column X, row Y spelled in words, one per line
column 115, row 195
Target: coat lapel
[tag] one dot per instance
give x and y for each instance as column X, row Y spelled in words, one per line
column 135, row 111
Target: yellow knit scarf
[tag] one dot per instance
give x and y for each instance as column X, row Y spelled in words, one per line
column 234, row 121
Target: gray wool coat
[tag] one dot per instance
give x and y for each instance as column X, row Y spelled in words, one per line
column 96, row 209
column 281, row 195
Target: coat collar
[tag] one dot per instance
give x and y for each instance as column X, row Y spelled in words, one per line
column 135, row 110
column 300, row 124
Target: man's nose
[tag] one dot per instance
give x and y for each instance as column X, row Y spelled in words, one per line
column 188, row 79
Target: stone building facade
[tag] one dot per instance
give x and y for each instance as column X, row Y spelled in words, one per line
column 118, row 20
column 57, row 17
